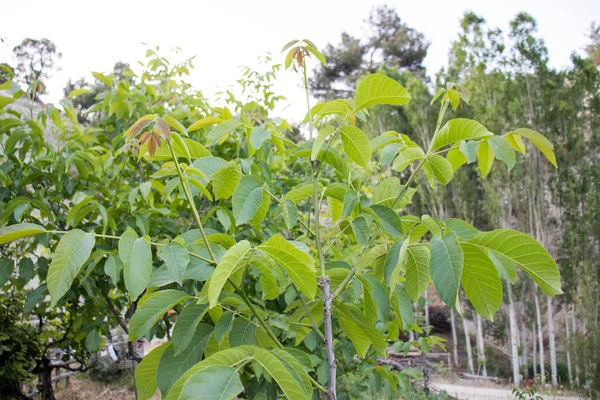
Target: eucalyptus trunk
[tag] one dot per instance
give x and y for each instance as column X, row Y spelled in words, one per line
column 468, row 344
column 454, row 339
column 480, row 348
column 534, row 363
column 568, row 346
column 552, row 340
column 514, row 336
column 538, row 315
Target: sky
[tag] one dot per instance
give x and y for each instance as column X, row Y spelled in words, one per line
column 224, row 35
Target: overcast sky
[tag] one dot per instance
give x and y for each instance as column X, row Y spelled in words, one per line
column 224, row 35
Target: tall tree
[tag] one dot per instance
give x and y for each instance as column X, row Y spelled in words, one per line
column 35, row 61
column 389, row 42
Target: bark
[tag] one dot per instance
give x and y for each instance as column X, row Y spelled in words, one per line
column 469, row 352
column 534, row 363
column 480, row 348
column 552, row 340
column 514, row 336
column 426, row 296
column 524, row 333
column 538, row 314
column 454, row 339
column 576, row 355
column 45, row 378
column 568, row 346
column 331, row 383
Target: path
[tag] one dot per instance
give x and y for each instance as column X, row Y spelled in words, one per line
column 466, row 392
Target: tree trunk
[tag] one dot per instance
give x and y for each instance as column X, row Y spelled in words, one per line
column 454, row 339
column 538, row 314
column 45, row 377
column 576, row 353
column 426, row 296
column 514, row 336
column 331, row 382
column 534, row 363
column 568, row 346
column 480, row 348
column 469, row 352
column 524, row 346
column 552, row 340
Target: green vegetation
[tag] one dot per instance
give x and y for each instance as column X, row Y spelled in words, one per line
column 276, row 265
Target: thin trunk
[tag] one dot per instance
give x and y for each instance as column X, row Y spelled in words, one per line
column 454, row 339
column 575, row 353
column 469, row 352
column 426, row 296
column 480, row 348
column 331, row 383
column 514, row 336
column 538, row 314
column 568, row 346
column 534, row 363
column 552, row 339
column 524, row 333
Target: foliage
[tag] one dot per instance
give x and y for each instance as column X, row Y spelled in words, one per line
column 19, row 346
column 169, row 203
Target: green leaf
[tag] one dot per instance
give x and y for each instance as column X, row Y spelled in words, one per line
column 539, row 141
column 361, row 334
column 516, row 142
column 6, row 270
column 320, row 139
column 406, row 156
column 223, row 326
column 18, row 231
column 417, row 271
column 72, row 252
column 113, row 267
column 361, row 230
column 356, row 145
column 297, row 264
column 276, row 369
column 137, row 262
column 503, row 151
column 445, row 266
column 34, row 298
column 485, row 158
column 77, row 92
column 106, row 79
column 441, row 168
column 302, row 192
column 258, row 135
column 379, row 89
column 145, row 373
column 186, row 324
column 481, row 281
column 213, row 383
column 151, row 308
column 92, row 340
column 204, row 123
column 171, row 367
column 175, row 255
column 350, row 200
column 526, row 252
column 464, row 230
column 225, row 180
column 316, row 53
column 432, row 224
column 507, row 268
column 387, row 191
column 456, row 158
column 459, row 129
column 242, row 332
column 405, row 308
column 247, row 199
column 234, row 259
column 219, row 133
column 394, row 263
column 389, row 219
column 469, row 149
column 290, row 213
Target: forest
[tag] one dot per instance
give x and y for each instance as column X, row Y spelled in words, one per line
column 410, row 229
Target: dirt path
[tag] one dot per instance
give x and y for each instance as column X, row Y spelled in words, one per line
column 465, row 392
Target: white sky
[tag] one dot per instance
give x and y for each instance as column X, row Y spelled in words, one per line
column 224, row 35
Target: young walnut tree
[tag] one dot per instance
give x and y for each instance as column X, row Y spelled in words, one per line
column 277, row 313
